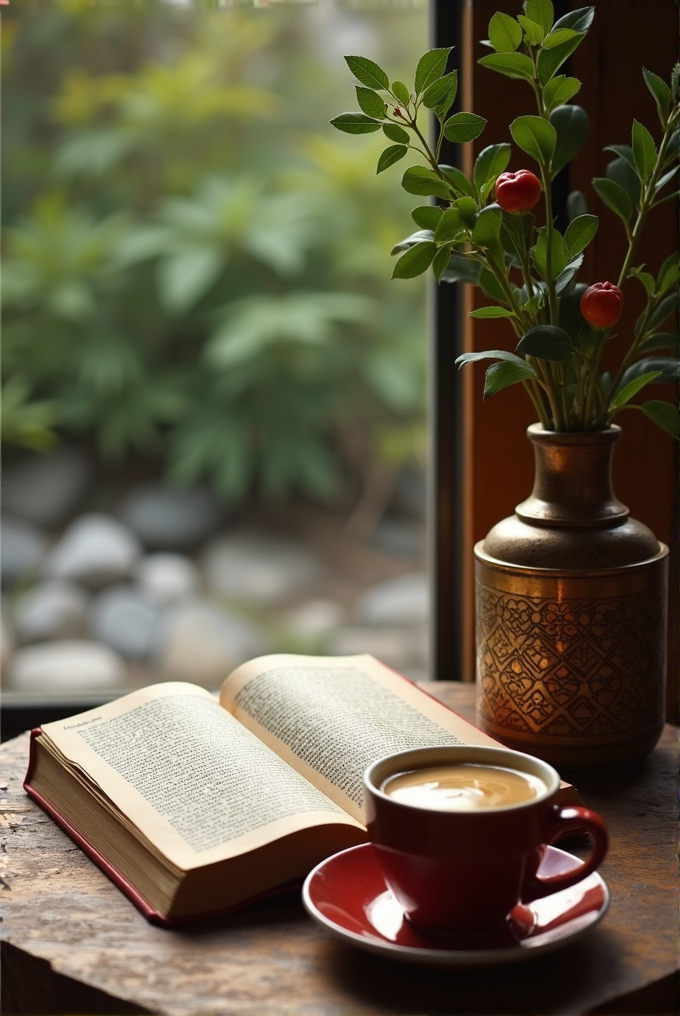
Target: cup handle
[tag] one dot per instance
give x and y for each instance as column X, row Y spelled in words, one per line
column 576, row 820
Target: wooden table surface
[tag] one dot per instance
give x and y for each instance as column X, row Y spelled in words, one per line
column 72, row 943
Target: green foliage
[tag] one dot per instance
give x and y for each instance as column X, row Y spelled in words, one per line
column 528, row 268
column 192, row 269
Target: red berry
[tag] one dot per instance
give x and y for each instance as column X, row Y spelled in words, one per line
column 517, row 192
column 602, row 305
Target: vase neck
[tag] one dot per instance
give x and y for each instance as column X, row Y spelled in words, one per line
column 573, row 479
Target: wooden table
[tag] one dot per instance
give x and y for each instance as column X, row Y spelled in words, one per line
column 72, row 943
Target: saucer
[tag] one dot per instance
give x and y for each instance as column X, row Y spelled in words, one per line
column 348, row 896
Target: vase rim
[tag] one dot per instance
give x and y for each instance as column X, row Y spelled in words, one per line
column 536, row 431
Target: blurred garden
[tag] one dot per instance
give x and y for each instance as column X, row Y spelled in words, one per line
column 202, row 344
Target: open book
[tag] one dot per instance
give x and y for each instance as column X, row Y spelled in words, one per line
column 193, row 807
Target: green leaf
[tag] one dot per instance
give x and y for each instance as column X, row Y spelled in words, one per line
column 644, row 150
column 401, row 92
column 489, row 354
column 396, row 133
column 505, row 34
column 631, row 389
column 368, row 72
column 624, row 152
column 660, row 340
column 430, row 67
column 440, row 262
column 491, row 286
column 669, row 272
column 662, row 311
column 467, row 208
column 564, row 278
column 184, row 277
column 370, row 102
column 579, row 20
column 647, row 280
column 559, row 36
column 664, row 414
column 661, row 92
column 461, row 269
column 391, row 155
column 512, row 65
column 449, row 227
column 533, row 32
column 490, row 163
column 550, row 260
column 666, row 178
column 580, row 232
column 441, row 110
column 571, row 127
column 540, row 11
column 550, row 60
column 560, row 90
column 459, row 180
column 547, row 342
column 576, row 205
column 409, row 241
column 491, row 312
column 620, row 172
column 486, row 230
column 420, row 180
column 614, row 197
column 415, row 261
column 667, row 368
column 535, row 136
column 444, row 88
column 516, row 230
column 503, row 375
column 426, row 216
column 356, row 123
column 462, row 127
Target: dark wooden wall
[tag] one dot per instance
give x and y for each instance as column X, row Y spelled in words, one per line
column 626, row 35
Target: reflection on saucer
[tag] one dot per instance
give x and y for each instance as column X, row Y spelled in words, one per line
column 347, row 894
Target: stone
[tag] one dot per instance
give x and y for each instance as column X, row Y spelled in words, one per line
column 47, row 489
column 166, row 578
column 67, row 666
column 398, row 601
column 172, row 518
column 52, row 609
column 315, row 618
column 259, row 569
column 95, row 550
column 23, row 547
column 398, row 538
column 202, row 643
column 127, row 620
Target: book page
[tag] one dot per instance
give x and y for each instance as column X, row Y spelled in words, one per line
column 331, row 717
column 195, row 782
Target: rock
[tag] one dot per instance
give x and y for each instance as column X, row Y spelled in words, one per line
column 398, row 537
column 264, row 570
column 404, row 600
column 166, row 578
column 172, row 518
column 68, row 666
column 53, row 609
column 127, row 620
column 315, row 618
column 47, row 489
column 96, row 550
column 23, row 547
column 202, row 643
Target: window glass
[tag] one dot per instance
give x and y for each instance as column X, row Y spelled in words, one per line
column 214, row 396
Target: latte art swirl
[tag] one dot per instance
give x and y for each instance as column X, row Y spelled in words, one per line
column 465, row 786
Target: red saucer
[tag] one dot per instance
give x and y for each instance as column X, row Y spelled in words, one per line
column 347, row 894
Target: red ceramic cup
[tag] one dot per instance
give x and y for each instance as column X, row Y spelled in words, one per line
column 462, row 872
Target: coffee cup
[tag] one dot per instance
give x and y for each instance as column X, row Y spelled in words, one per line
column 459, row 832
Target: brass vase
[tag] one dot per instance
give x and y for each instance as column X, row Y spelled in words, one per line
column 571, row 615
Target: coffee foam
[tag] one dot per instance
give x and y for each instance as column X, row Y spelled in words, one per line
column 463, row 786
